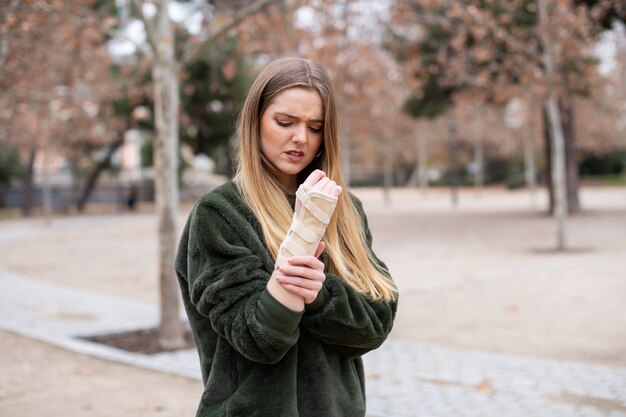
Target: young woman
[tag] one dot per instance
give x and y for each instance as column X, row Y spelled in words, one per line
column 279, row 332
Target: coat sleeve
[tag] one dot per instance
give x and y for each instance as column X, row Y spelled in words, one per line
column 350, row 322
column 227, row 284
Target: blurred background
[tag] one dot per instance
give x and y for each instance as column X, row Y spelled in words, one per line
column 487, row 140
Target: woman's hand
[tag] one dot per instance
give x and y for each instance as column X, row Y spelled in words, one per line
column 304, row 276
column 318, row 181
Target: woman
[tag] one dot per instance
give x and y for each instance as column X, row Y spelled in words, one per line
column 280, row 332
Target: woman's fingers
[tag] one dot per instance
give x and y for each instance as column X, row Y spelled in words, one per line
column 312, row 274
column 306, row 261
column 321, row 184
column 307, row 284
column 307, row 288
column 329, row 187
column 313, row 178
column 304, row 276
column 318, row 181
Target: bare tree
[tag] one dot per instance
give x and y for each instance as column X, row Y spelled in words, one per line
column 61, row 105
column 165, row 72
column 556, row 127
column 497, row 50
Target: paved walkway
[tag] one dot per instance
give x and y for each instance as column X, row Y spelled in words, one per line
column 403, row 379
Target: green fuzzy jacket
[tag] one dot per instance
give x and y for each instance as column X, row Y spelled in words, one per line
column 258, row 358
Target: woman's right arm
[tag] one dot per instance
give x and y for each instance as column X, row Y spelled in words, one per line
column 227, row 284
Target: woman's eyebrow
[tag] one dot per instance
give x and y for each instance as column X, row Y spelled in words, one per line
column 291, row 116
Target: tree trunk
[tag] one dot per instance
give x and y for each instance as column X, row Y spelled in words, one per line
column 166, row 102
column 346, row 160
column 388, row 173
column 28, row 190
column 548, row 158
column 530, row 168
column 558, row 168
column 414, row 177
column 45, row 184
column 453, row 174
column 479, row 150
column 81, row 204
column 231, row 159
column 570, row 161
column 567, row 117
column 423, row 163
column 479, row 161
column 557, row 142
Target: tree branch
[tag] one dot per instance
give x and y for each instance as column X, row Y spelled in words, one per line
column 435, row 20
column 147, row 52
column 192, row 52
column 504, row 35
column 148, row 24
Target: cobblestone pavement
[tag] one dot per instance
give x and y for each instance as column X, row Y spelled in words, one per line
column 403, row 379
column 410, row 379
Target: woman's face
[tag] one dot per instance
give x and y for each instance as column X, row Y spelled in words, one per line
column 292, row 130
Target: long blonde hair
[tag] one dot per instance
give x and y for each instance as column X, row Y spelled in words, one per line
column 346, row 244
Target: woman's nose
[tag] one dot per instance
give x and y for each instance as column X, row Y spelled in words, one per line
column 300, row 133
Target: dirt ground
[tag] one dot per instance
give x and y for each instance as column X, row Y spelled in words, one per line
column 41, row 380
column 482, row 276
column 486, row 276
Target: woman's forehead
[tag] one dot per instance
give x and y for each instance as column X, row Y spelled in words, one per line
column 299, row 103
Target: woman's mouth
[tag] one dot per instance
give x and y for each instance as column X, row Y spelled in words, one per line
column 295, row 156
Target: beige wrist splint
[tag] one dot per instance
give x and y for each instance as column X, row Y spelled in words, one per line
column 308, row 226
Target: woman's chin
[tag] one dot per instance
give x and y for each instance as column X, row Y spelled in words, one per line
column 292, row 168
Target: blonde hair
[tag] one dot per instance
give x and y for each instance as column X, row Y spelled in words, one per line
column 346, row 244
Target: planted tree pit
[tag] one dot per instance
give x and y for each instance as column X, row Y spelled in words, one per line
column 144, row 341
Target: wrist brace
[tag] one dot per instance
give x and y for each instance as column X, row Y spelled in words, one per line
column 308, row 225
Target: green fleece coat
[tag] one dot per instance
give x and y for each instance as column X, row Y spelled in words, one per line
column 258, row 358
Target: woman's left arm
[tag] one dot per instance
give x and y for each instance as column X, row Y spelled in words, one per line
column 352, row 322
column 349, row 321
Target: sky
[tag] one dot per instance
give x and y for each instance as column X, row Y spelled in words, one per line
column 606, row 48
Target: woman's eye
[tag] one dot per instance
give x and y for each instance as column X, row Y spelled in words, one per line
column 315, row 129
column 283, row 124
